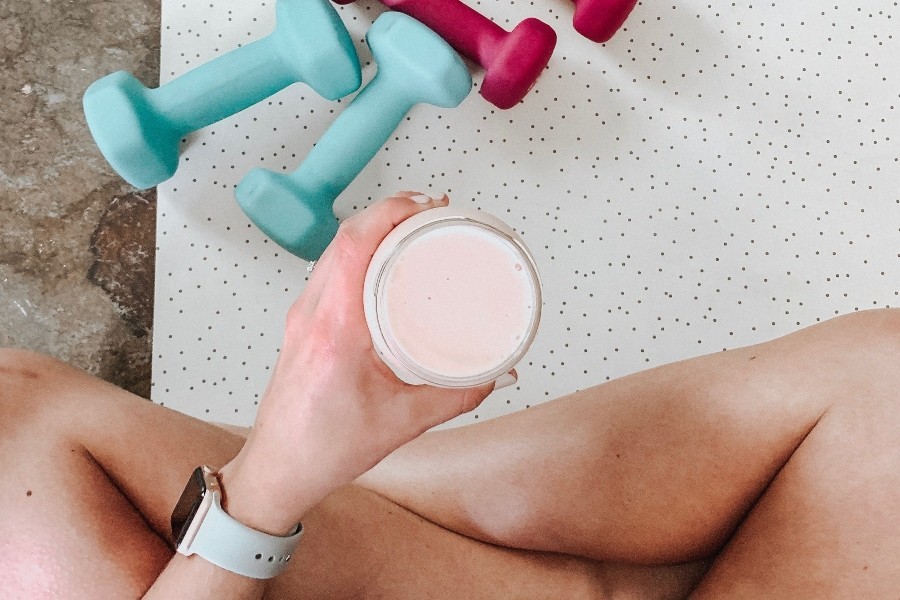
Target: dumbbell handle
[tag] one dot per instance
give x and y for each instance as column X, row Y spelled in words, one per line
column 353, row 139
column 471, row 33
column 224, row 86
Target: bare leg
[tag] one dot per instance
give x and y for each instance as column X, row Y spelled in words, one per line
column 697, row 443
column 663, row 466
column 89, row 475
column 828, row 526
column 88, row 521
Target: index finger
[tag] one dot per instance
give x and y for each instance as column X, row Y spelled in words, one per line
column 359, row 236
column 370, row 226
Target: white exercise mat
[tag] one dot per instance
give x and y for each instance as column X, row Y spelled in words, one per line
column 716, row 175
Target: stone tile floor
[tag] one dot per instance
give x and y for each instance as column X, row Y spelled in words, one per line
column 76, row 242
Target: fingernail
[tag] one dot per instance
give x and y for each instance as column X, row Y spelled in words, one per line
column 505, row 380
column 425, row 198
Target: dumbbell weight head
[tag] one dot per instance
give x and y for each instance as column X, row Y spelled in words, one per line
column 318, row 43
column 598, row 20
column 417, row 62
column 518, row 62
column 512, row 60
column 295, row 215
column 135, row 139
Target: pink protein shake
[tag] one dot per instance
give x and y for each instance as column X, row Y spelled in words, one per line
column 452, row 298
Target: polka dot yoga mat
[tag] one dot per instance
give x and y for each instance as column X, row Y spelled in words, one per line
column 713, row 176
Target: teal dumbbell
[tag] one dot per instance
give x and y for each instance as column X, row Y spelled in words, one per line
column 414, row 66
column 138, row 129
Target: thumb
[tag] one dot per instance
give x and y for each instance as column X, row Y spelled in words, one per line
column 443, row 404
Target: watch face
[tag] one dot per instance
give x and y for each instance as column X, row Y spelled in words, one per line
column 187, row 505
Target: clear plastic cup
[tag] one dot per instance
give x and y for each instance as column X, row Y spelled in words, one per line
column 452, row 298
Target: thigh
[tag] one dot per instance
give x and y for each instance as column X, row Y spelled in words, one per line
column 89, row 475
column 828, row 526
column 361, row 545
column 65, row 530
column 658, row 467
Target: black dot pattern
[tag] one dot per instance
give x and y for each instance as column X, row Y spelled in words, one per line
column 714, row 176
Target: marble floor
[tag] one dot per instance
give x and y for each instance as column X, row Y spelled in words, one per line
column 76, row 242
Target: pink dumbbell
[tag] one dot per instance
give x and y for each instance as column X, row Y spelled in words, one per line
column 598, row 20
column 512, row 60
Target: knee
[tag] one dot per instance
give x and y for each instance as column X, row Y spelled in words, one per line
column 18, row 365
column 27, row 380
column 872, row 333
column 865, row 345
column 879, row 318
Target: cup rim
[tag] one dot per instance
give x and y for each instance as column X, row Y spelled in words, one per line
column 466, row 219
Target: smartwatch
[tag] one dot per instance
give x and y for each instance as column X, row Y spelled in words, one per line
column 201, row 526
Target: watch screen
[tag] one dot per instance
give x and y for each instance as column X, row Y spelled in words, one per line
column 187, row 505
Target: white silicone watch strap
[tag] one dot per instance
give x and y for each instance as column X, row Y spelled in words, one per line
column 231, row 545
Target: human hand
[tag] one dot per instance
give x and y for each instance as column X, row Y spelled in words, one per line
column 333, row 409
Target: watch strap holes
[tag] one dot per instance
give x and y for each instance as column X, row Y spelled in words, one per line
column 274, row 558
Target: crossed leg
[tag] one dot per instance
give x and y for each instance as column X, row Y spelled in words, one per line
column 89, row 475
column 779, row 462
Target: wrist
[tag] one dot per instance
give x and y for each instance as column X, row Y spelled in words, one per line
column 258, row 503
